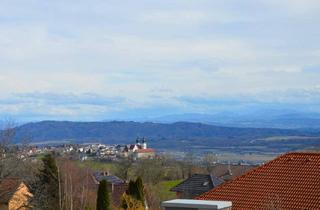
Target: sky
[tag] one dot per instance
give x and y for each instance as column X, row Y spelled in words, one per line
column 111, row 59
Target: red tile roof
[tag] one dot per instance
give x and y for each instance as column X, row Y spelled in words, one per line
column 291, row 181
column 149, row 150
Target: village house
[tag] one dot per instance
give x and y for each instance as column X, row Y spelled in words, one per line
column 116, row 185
column 14, row 194
column 147, row 153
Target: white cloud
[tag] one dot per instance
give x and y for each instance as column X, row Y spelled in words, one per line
column 186, row 17
column 296, row 7
column 138, row 50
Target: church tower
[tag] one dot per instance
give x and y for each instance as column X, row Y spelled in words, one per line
column 144, row 143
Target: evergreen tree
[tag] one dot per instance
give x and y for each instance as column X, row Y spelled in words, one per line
column 49, row 183
column 139, row 189
column 103, row 200
column 132, row 189
column 50, row 171
column 136, row 190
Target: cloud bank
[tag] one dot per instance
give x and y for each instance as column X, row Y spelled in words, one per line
column 92, row 59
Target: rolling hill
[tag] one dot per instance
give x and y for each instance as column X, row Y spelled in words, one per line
column 175, row 135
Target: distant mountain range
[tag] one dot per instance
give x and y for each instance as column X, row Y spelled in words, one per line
column 122, row 131
column 254, row 119
column 176, row 136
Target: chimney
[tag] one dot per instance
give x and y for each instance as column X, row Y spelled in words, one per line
column 229, row 169
column 185, row 204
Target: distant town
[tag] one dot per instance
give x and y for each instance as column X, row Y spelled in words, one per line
column 93, row 151
column 140, row 149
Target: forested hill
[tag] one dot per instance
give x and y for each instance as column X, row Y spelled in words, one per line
column 125, row 132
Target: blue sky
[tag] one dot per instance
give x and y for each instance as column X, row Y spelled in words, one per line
column 102, row 59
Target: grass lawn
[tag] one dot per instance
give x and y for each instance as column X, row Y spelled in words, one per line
column 164, row 189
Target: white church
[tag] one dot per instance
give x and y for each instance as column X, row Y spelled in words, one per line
column 140, row 150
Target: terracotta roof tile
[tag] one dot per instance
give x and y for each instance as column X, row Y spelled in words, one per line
column 148, row 150
column 291, row 181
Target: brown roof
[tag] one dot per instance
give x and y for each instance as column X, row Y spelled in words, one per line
column 8, row 187
column 291, row 181
column 149, row 150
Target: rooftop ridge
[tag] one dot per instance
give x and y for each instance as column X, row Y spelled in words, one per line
column 259, row 168
column 184, row 181
column 195, row 182
column 301, row 153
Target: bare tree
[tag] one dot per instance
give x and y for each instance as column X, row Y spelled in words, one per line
column 150, row 170
column 188, row 164
column 209, row 161
column 9, row 153
column 14, row 161
column 123, row 168
column 77, row 186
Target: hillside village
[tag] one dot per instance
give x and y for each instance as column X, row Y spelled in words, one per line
column 94, row 151
column 112, row 152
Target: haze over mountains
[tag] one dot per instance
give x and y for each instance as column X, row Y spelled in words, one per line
column 121, row 131
column 175, row 136
column 254, row 120
column 255, row 116
column 251, row 130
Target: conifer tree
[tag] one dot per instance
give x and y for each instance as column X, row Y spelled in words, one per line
column 49, row 182
column 103, row 200
column 139, row 189
column 136, row 190
column 132, row 189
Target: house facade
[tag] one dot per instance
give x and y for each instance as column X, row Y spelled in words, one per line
column 116, row 185
column 147, row 153
column 14, row 194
